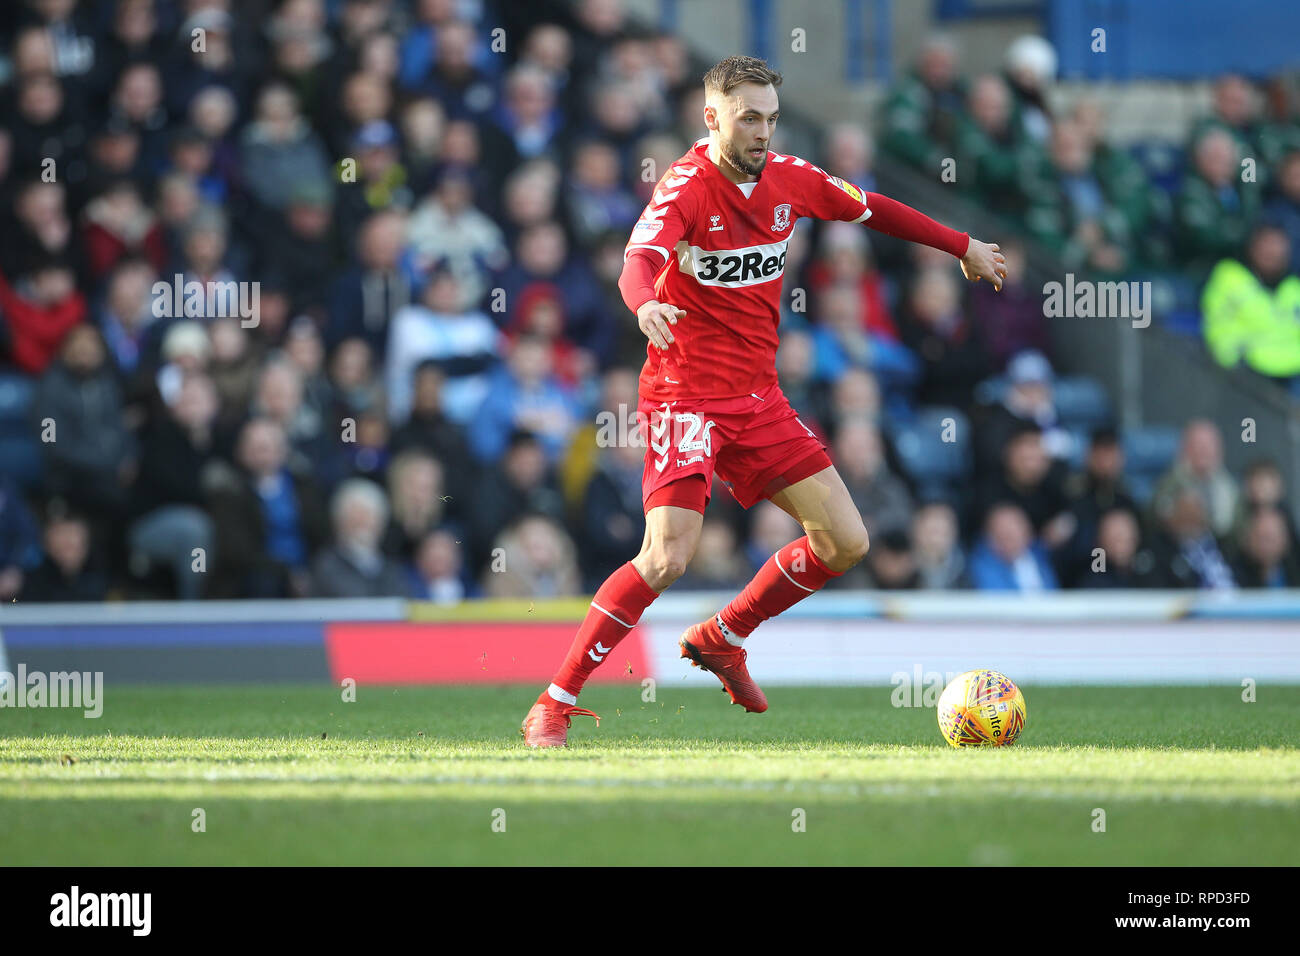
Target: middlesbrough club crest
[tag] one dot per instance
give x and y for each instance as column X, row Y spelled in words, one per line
column 781, row 217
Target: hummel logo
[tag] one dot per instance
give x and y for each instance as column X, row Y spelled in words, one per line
column 715, row 224
column 603, row 651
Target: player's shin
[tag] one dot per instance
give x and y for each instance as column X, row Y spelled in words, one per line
column 783, row 581
column 617, row 606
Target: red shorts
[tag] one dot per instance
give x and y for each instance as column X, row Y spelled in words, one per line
column 756, row 443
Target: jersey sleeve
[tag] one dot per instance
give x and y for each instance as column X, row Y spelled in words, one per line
column 832, row 199
column 666, row 217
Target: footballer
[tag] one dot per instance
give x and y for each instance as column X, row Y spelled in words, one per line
column 703, row 272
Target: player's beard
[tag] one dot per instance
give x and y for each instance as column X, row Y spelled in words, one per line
column 742, row 161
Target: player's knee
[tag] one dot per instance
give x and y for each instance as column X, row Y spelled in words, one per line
column 664, row 564
column 845, row 549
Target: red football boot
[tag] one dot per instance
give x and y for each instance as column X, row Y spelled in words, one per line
column 704, row 646
column 547, row 725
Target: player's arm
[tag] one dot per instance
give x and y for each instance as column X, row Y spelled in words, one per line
column 650, row 248
column 979, row 260
column 636, row 283
column 833, row 199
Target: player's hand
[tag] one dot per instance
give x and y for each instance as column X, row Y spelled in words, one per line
column 655, row 320
column 984, row 261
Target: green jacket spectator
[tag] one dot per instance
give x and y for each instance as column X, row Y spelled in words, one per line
column 919, row 118
column 1251, row 319
column 1215, row 209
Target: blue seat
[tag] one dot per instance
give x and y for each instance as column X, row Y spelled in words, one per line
column 1149, row 451
column 991, row 390
column 1081, row 402
column 16, row 395
column 931, row 462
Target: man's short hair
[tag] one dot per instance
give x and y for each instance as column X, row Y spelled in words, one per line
column 735, row 70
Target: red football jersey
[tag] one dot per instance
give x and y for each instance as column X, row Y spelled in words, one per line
column 724, row 247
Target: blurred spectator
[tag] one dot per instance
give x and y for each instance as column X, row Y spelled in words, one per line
column 1026, row 400
column 528, row 114
column 354, row 384
column 438, row 573
column 1284, row 209
column 1186, row 545
column 543, row 260
column 850, row 154
column 38, row 230
column 416, row 491
column 891, row 565
column 1007, row 558
column 167, row 498
column 126, row 317
column 20, row 540
column 881, row 497
column 846, row 262
column 1010, row 320
column 936, row 547
column 1267, row 557
column 522, row 482
column 455, row 80
column 1077, row 216
column 90, row 455
column 440, row 328
column 770, row 530
column 1031, row 66
column 717, row 564
column 447, row 232
column 37, row 312
column 379, row 183
column 1199, row 467
column 595, row 197
column 796, row 369
column 537, row 559
column 269, row 519
column 525, row 394
column 1095, row 491
column 841, row 341
column 280, row 149
column 1250, row 308
column 354, row 566
column 1263, row 487
column 996, row 162
column 1234, row 112
column 920, row 114
column 235, row 369
column 1030, row 479
column 301, row 247
column 1123, row 562
column 429, row 429
column 854, row 395
column 65, row 574
column 1215, row 209
column 953, row 357
column 613, row 520
column 117, row 224
column 364, row 298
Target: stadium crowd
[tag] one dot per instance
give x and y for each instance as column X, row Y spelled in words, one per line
column 434, row 215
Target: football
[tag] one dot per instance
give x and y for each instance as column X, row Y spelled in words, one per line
column 981, row 708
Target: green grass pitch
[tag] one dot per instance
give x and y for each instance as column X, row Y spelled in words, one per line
column 293, row 775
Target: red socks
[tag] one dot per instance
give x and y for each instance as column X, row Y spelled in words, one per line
column 617, row 606
column 787, row 578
